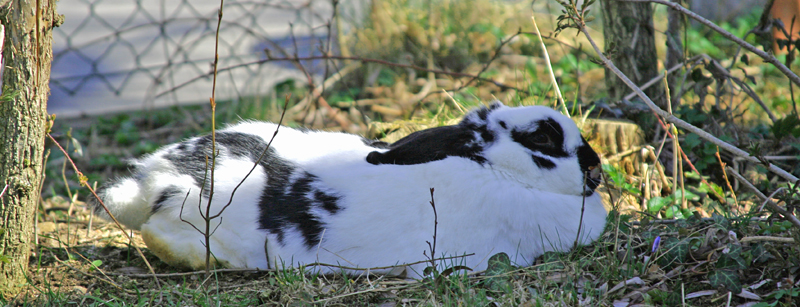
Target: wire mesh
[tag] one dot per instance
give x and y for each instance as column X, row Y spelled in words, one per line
column 113, row 55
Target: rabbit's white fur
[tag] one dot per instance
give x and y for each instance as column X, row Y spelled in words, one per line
column 325, row 202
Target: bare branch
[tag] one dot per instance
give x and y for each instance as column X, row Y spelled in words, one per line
column 334, row 57
column 766, row 56
column 679, row 122
column 772, row 205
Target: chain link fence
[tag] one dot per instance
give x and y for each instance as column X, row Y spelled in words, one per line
column 115, row 55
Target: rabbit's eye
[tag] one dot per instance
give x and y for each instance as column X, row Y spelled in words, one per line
column 541, row 140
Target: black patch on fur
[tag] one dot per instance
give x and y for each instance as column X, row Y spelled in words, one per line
column 543, row 162
column 432, row 145
column 164, row 196
column 480, row 126
column 329, row 202
column 495, row 104
column 189, row 157
column 483, row 131
column 588, row 158
column 285, row 204
column 483, row 113
column 546, row 127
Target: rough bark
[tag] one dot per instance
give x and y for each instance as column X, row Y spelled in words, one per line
column 27, row 53
column 630, row 44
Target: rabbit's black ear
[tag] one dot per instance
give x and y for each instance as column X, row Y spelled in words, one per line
column 430, row 145
column 495, row 104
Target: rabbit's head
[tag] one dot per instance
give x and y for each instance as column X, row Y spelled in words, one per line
column 536, row 146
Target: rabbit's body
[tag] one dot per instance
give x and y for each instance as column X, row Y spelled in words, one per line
column 340, row 199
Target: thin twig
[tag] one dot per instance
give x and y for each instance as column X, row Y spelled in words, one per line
column 334, row 57
column 359, row 293
column 725, row 176
column 550, row 70
column 207, row 217
column 767, row 238
column 583, row 207
column 746, row 88
column 494, row 57
column 657, row 78
column 317, row 92
column 772, row 205
column 245, row 270
column 435, row 228
column 771, row 195
column 260, row 158
column 83, row 180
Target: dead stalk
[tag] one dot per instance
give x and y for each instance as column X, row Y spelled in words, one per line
column 583, row 207
column 725, row 175
column 550, row 70
column 432, row 247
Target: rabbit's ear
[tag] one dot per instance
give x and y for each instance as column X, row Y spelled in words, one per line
column 466, row 140
column 429, row 145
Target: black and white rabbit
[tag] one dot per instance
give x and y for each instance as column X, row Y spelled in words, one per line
column 506, row 179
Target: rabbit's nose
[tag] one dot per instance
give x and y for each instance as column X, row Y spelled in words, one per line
column 594, row 173
column 592, row 179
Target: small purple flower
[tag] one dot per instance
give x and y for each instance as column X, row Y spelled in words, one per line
column 656, row 243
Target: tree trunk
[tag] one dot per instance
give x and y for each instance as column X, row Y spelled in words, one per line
column 630, row 44
column 27, row 53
